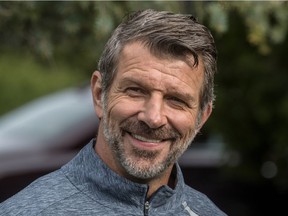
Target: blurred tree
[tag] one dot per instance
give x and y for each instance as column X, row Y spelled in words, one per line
column 72, row 31
column 265, row 23
column 50, row 30
column 251, row 108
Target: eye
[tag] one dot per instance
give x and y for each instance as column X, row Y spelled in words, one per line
column 177, row 102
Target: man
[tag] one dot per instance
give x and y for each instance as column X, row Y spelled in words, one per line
column 153, row 92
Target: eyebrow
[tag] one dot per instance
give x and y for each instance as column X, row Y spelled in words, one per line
column 183, row 95
column 129, row 80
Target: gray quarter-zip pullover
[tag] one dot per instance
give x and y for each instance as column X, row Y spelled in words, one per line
column 86, row 186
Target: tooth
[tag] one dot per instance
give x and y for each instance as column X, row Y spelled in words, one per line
column 145, row 139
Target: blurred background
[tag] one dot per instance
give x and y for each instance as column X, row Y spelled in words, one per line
column 48, row 51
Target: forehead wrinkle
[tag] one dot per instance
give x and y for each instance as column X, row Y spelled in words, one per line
column 143, row 65
column 165, row 67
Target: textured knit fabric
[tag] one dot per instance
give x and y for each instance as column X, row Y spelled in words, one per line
column 86, row 186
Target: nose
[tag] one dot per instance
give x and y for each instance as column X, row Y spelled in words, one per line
column 153, row 112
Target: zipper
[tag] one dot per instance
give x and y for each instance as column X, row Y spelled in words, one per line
column 146, row 208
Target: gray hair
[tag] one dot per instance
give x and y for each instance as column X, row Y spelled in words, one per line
column 164, row 33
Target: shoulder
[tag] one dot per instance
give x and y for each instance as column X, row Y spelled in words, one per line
column 200, row 203
column 39, row 195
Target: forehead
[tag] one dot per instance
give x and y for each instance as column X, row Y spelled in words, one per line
column 137, row 62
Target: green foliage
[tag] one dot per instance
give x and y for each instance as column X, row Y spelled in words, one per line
column 23, row 79
column 265, row 22
column 74, row 32
column 251, row 107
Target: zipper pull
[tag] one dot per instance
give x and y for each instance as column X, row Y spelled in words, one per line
column 146, row 208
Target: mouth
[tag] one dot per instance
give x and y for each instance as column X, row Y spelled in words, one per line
column 149, row 140
column 144, row 139
column 141, row 134
column 141, row 142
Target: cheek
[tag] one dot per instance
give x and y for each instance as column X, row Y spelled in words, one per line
column 121, row 109
column 184, row 122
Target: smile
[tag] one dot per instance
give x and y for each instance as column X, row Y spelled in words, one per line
column 143, row 139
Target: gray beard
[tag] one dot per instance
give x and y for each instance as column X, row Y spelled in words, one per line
column 113, row 135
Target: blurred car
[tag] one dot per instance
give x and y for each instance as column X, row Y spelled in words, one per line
column 207, row 152
column 42, row 135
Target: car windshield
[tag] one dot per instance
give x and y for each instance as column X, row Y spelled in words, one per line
column 46, row 117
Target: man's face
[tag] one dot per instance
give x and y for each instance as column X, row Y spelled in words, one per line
column 151, row 113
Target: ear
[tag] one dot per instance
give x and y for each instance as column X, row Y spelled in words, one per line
column 96, row 88
column 205, row 114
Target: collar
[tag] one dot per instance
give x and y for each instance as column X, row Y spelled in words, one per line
column 94, row 178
